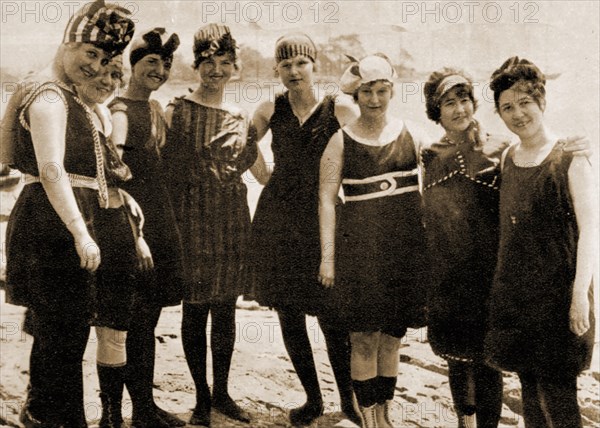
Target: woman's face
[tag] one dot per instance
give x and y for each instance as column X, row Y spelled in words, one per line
column 296, row 73
column 456, row 110
column 106, row 82
column 216, row 71
column 374, row 98
column 82, row 61
column 520, row 112
column 151, row 71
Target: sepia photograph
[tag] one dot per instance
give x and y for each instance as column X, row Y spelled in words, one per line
column 305, row 213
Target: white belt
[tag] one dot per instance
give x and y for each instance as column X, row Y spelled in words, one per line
column 387, row 183
column 74, row 179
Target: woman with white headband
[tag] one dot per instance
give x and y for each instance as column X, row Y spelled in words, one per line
column 461, row 212
column 373, row 253
column 461, row 182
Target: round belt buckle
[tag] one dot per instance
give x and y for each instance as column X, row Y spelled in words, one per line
column 384, row 185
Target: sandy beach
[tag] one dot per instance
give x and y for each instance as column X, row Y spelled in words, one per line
column 262, row 378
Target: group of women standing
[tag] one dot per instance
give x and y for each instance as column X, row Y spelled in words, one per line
column 77, row 252
column 362, row 223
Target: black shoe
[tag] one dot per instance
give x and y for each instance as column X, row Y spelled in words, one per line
column 169, row 418
column 148, row 419
column 229, row 408
column 30, row 421
column 76, row 423
column 351, row 414
column 111, row 412
column 200, row 415
column 306, row 414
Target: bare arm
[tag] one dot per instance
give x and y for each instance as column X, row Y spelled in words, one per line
column 345, row 112
column 580, row 146
column 261, row 119
column 48, row 124
column 169, row 115
column 119, row 130
column 262, row 116
column 330, row 178
column 135, row 214
column 585, row 202
column 260, row 170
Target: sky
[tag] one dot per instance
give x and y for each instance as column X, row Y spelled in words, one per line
column 439, row 31
column 561, row 37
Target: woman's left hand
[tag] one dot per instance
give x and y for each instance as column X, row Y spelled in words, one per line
column 494, row 145
column 579, row 321
column 327, row 274
column 580, row 146
column 145, row 262
column 134, row 208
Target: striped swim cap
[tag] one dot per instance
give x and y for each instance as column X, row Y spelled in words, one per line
column 104, row 25
column 294, row 44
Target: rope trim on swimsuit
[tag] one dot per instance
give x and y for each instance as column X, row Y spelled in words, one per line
column 53, row 86
column 455, row 358
column 98, row 152
column 463, row 171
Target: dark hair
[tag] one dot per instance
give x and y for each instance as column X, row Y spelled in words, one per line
column 432, row 98
column 522, row 72
column 227, row 46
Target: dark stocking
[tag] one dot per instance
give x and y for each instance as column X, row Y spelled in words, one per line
column 366, row 391
column 549, row 402
column 222, row 341
column 460, row 377
column 297, row 344
column 193, row 335
column 338, row 350
column 561, row 402
column 141, row 350
column 111, row 393
column 488, row 393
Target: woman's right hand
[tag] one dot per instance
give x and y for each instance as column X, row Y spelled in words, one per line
column 88, row 252
column 144, row 256
column 579, row 321
column 327, row 273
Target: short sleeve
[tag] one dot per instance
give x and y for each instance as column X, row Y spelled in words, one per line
column 48, row 91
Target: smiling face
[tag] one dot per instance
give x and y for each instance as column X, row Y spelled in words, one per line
column 456, row 110
column 374, row 98
column 152, row 71
column 520, row 112
column 296, row 73
column 216, row 70
column 106, row 82
column 82, row 61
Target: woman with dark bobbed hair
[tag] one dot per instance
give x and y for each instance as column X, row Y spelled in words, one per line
column 541, row 322
column 139, row 131
column 461, row 213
